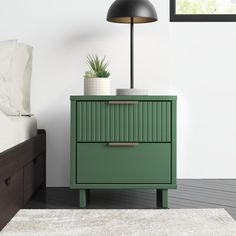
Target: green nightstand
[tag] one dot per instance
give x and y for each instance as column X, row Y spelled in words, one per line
column 120, row 142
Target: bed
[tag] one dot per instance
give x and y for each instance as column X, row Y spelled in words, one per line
column 22, row 163
column 15, row 130
column 22, row 145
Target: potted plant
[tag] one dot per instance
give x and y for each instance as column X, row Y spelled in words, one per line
column 96, row 80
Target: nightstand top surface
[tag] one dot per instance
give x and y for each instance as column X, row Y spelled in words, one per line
column 118, row 98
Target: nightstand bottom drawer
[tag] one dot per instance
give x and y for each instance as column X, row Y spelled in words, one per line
column 141, row 163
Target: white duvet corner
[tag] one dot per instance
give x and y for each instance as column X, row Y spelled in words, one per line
column 7, row 137
column 15, row 130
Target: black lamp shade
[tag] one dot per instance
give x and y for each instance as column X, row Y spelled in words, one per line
column 132, row 11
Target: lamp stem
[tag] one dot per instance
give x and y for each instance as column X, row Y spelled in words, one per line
column 132, row 54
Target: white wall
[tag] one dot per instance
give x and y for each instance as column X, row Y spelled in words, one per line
column 194, row 61
column 203, row 74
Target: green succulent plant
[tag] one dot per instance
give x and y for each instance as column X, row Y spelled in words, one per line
column 98, row 67
column 90, row 74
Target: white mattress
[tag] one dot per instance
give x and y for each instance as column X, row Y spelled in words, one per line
column 15, row 130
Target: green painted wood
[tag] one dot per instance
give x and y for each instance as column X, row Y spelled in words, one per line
column 73, row 146
column 164, row 122
column 97, row 119
column 82, row 198
column 140, row 122
column 149, row 123
column 124, row 98
column 116, row 123
column 173, row 138
column 121, row 122
column 79, row 120
column 135, row 120
column 154, row 120
column 94, row 123
column 82, row 117
column 143, row 122
column 162, row 198
column 131, row 124
column 103, row 122
column 89, row 126
column 145, row 163
column 159, row 121
column 123, row 186
column 108, row 123
column 112, row 123
column 126, row 124
column 168, row 121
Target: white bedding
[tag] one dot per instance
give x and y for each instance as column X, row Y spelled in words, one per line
column 15, row 129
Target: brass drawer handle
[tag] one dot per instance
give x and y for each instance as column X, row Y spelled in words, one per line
column 123, row 102
column 123, row 144
column 8, row 181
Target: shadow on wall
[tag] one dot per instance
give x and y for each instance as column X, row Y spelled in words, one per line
column 57, row 126
column 65, row 66
column 86, row 36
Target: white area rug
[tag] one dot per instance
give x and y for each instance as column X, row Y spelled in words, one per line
column 187, row 222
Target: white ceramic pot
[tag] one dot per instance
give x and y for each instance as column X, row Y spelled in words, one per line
column 97, row 86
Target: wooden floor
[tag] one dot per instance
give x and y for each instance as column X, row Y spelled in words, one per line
column 190, row 194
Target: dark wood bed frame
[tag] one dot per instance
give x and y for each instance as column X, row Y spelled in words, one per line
column 22, row 173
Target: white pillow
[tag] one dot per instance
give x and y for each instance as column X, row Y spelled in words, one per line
column 5, row 104
column 20, row 78
column 7, row 49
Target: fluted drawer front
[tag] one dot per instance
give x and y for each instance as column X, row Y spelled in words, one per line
column 142, row 121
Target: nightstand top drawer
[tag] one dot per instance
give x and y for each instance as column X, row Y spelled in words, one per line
column 123, row 121
column 126, row 98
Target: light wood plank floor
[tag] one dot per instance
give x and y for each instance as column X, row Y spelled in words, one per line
column 190, row 194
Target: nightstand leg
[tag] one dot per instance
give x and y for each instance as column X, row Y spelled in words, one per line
column 162, row 198
column 82, row 198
